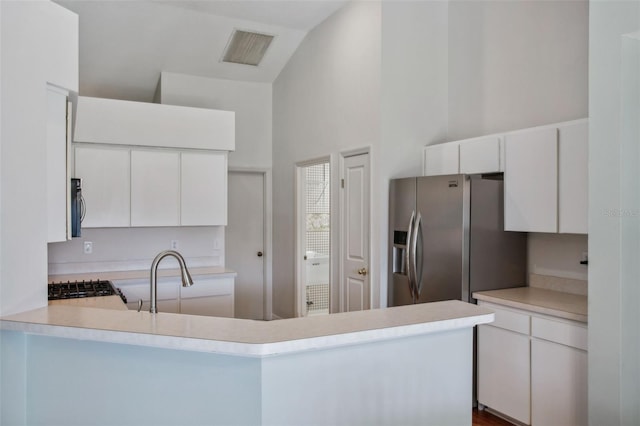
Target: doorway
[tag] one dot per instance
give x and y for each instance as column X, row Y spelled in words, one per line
column 247, row 242
column 313, row 232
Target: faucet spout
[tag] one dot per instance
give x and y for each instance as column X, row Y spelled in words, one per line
column 187, row 281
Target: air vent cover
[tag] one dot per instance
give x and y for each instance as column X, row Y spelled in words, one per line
column 246, row 47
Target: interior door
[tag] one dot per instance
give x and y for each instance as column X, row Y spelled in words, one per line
column 355, row 235
column 244, row 242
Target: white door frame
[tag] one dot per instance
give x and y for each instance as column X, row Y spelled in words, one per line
column 341, row 238
column 300, row 247
column 267, row 237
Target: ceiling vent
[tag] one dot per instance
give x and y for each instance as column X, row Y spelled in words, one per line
column 246, row 47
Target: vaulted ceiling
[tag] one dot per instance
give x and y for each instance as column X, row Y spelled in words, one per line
column 124, row 45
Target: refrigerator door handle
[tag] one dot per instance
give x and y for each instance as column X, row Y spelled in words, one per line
column 408, row 252
column 416, row 254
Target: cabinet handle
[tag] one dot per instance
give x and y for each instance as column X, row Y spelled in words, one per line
column 139, row 304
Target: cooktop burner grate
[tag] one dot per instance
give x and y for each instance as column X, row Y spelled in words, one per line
column 78, row 289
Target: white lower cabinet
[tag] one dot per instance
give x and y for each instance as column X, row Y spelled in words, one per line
column 209, row 295
column 558, row 384
column 533, row 367
column 503, row 372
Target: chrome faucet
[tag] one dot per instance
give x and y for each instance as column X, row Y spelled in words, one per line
column 187, row 281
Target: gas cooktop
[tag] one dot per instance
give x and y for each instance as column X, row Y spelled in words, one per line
column 78, row 289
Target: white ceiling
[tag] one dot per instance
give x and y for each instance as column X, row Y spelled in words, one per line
column 124, row 45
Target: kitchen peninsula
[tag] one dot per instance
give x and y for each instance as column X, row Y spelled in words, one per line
column 402, row 365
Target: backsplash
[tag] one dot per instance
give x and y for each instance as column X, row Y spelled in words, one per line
column 565, row 285
column 117, row 249
column 557, row 255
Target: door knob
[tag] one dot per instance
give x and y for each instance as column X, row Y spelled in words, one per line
column 362, row 271
column 259, row 254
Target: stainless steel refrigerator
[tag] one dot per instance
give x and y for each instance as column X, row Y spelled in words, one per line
column 447, row 239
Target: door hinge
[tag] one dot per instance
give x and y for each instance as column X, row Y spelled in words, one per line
column 342, row 183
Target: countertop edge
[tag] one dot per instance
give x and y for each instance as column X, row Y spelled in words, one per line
column 243, row 349
column 532, row 307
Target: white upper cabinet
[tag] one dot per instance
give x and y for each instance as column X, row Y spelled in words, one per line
column 155, row 188
column 573, row 177
column 481, row 155
column 58, row 196
column 126, row 187
column 105, row 174
column 204, row 189
column 441, row 159
column 120, row 122
column 531, row 180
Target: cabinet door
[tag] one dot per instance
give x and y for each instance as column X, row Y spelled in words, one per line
column 105, row 174
column 481, row 155
column 155, row 188
column 503, row 372
column 58, row 215
column 573, row 177
column 168, row 293
column 558, row 384
column 204, row 189
column 531, row 181
column 208, row 296
column 441, row 159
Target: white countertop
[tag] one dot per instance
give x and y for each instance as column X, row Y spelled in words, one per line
column 549, row 302
column 246, row 337
column 139, row 274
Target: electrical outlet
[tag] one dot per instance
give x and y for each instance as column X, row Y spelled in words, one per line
column 174, row 244
column 88, row 247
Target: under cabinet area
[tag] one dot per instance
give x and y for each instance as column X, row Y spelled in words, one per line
column 210, row 295
column 125, row 186
column 533, row 367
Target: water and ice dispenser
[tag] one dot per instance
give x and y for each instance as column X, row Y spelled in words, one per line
column 400, row 252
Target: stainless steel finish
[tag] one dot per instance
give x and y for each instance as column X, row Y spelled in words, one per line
column 456, row 244
column 409, row 257
column 362, row 271
column 416, row 257
column 497, row 259
column 187, row 281
column 402, row 205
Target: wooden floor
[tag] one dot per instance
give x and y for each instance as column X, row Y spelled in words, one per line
column 484, row 418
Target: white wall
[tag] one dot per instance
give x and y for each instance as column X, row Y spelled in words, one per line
column 449, row 70
column 39, row 45
column 516, row 64
column 414, row 97
column 519, row 64
column 251, row 101
column 325, row 100
column 135, row 248
column 613, row 381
